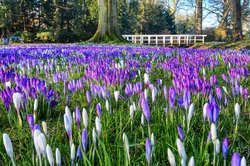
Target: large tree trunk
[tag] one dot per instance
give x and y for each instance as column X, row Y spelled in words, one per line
column 236, row 20
column 199, row 17
column 221, row 31
column 107, row 30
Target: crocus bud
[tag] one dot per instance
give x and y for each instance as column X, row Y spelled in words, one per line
column 41, row 140
column 58, row 157
column 17, row 100
column 68, row 127
column 78, row 117
column 225, row 89
column 84, row 139
column 243, row 161
column 98, row 126
column 88, row 97
column 213, row 131
column 237, row 112
column 190, row 114
column 154, row 93
column 235, row 161
column 126, row 143
column 79, row 153
column 72, row 152
column 180, row 132
column 45, row 130
column 191, row 161
column 171, row 158
column 146, row 79
column 68, row 114
column 116, row 94
column 30, row 120
column 145, row 93
column 85, row 117
column 217, row 146
column 131, row 111
column 35, row 105
column 145, row 109
column 107, row 105
column 205, row 111
column 225, row 147
column 37, row 132
column 94, row 135
column 8, row 145
column 181, row 150
column 152, row 140
column 142, row 120
column 99, row 110
column 148, row 150
column 50, row 155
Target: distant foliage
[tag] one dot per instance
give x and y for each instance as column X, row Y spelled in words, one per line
column 45, row 36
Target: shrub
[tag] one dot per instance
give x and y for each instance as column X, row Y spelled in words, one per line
column 45, row 36
column 27, row 36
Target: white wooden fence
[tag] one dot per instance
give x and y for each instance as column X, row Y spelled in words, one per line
column 163, row 40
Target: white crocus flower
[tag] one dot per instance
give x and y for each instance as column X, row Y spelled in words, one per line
column 58, row 157
column 191, row 162
column 8, row 146
column 116, row 94
column 98, row 126
column 181, row 150
column 237, row 113
column 85, row 117
column 50, row 155
column 171, row 158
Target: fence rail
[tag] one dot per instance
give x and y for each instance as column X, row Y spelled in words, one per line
column 163, row 40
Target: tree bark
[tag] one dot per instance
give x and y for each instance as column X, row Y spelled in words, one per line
column 199, row 17
column 236, row 20
column 221, row 31
column 107, row 30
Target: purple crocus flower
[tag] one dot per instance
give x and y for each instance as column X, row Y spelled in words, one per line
column 180, row 132
column 30, row 120
column 78, row 117
column 209, row 137
column 84, row 139
column 180, row 101
column 210, row 112
column 165, row 92
column 148, row 150
column 235, row 161
column 98, row 110
column 129, row 89
column 224, row 77
column 219, row 93
column 36, row 126
column 145, row 109
column 79, row 153
column 225, row 100
column 88, row 97
column 225, row 147
column 215, row 113
column 159, row 82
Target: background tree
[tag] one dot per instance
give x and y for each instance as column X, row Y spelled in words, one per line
column 108, row 29
column 199, row 12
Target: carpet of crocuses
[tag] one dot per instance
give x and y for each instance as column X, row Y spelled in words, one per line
column 124, row 105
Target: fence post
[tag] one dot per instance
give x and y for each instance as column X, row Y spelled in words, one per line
column 164, row 38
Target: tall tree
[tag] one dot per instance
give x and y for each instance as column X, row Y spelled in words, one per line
column 107, row 29
column 236, row 20
column 199, row 16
